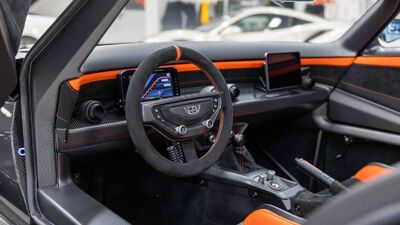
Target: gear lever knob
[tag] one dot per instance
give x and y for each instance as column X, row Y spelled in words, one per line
column 238, row 140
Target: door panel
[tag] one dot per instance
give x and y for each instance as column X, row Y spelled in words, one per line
column 368, row 95
column 355, row 110
column 380, row 84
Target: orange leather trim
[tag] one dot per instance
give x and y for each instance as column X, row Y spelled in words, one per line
column 225, row 65
column 112, row 74
column 391, row 61
column 178, row 53
column 335, row 61
column 93, row 77
column 371, row 172
column 266, row 217
column 228, row 65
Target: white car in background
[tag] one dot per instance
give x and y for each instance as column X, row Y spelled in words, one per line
column 35, row 27
column 259, row 24
column 41, row 15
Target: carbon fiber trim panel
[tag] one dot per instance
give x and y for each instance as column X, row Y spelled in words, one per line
column 18, row 142
column 111, row 116
column 113, row 128
column 76, row 207
column 12, row 165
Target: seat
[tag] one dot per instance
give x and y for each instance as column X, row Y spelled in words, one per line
column 372, row 171
column 271, row 215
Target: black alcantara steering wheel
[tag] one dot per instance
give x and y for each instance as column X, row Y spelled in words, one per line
column 180, row 118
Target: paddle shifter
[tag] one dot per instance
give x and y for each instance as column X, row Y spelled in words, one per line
column 312, row 171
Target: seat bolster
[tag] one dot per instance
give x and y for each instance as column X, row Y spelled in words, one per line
column 373, row 171
column 271, row 215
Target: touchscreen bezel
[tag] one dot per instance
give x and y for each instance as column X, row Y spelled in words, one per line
column 124, row 78
column 267, row 72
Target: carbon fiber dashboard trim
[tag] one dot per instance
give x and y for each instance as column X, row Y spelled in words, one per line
column 250, row 102
column 109, row 117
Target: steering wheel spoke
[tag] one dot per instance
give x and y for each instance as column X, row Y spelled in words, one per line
column 185, row 116
column 189, row 151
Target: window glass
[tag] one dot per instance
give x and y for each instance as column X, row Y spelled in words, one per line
column 253, row 23
column 216, row 20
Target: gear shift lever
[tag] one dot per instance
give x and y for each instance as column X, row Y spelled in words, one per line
column 238, row 140
column 243, row 157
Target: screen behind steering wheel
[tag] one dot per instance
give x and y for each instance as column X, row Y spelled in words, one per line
column 162, row 83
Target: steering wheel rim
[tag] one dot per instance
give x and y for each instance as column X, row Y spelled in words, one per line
column 137, row 112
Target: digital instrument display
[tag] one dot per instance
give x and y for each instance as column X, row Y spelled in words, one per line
column 283, row 71
column 162, row 83
column 158, row 85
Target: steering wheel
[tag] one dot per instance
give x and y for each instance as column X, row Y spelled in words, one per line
column 180, row 118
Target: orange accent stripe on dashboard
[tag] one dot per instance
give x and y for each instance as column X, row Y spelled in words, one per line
column 112, row 74
column 333, row 61
column 225, row 65
column 93, row 77
column 391, row 61
column 229, row 65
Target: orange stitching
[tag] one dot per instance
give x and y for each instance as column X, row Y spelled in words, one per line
column 59, row 117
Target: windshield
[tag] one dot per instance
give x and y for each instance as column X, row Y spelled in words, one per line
column 214, row 20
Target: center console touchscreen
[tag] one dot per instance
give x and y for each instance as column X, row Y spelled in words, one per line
column 162, row 83
column 282, row 71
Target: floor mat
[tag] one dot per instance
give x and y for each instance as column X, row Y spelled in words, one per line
column 141, row 195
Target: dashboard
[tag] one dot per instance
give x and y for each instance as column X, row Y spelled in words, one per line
column 106, row 91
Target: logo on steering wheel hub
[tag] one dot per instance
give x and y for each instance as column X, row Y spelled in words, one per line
column 192, row 110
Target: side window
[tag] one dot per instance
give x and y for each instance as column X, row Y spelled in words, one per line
column 390, row 36
column 278, row 22
column 296, row 22
column 261, row 22
column 285, row 22
column 253, row 23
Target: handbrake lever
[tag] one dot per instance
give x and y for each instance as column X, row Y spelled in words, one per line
column 323, row 178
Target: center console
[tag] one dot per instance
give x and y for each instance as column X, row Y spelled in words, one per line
column 265, row 185
column 261, row 183
column 270, row 180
